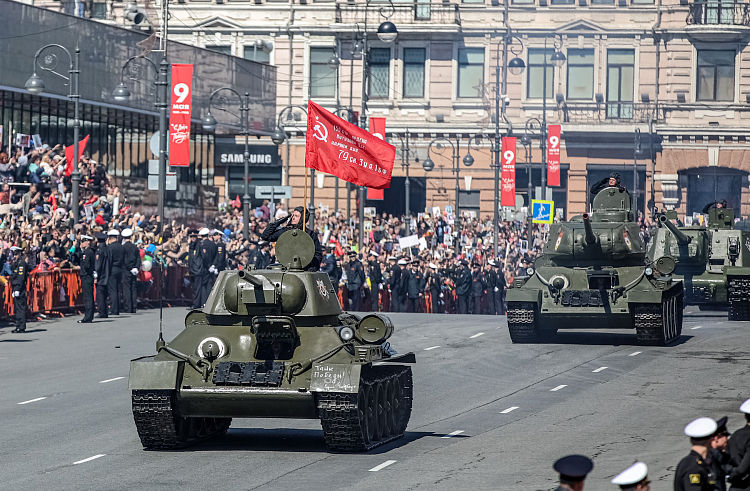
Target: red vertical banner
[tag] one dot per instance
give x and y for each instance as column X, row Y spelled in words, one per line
column 179, row 116
column 553, row 155
column 508, row 192
column 377, row 128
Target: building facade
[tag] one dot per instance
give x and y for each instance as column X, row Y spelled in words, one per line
column 656, row 90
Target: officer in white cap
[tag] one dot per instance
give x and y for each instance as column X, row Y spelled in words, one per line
column 394, row 284
column 19, row 274
column 739, row 451
column 88, row 263
column 208, row 251
column 116, row 259
column 634, row 478
column 434, row 285
column 131, row 262
column 694, row 472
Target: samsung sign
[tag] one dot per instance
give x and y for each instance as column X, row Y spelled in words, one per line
column 230, row 153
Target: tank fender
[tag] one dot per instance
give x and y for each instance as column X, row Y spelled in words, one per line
column 330, row 377
column 639, row 295
column 145, row 373
column 524, row 295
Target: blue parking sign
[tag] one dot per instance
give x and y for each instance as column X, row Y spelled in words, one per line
column 542, row 211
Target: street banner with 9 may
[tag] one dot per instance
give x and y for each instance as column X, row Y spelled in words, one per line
column 377, row 128
column 508, row 192
column 347, row 151
column 553, row 155
column 179, row 116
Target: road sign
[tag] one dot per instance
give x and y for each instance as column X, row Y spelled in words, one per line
column 153, row 182
column 273, row 193
column 154, row 143
column 542, row 211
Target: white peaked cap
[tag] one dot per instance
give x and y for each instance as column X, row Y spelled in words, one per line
column 203, row 231
column 632, row 475
column 701, row 428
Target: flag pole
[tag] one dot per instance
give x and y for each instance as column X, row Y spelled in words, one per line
column 304, row 211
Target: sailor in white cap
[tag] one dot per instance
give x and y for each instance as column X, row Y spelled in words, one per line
column 208, row 251
column 374, row 254
column 116, row 262
column 113, row 233
column 634, row 478
column 694, row 472
column 203, row 232
column 88, row 263
column 739, row 451
column 19, row 274
column 394, row 282
column 402, row 262
column 376, row 280
column 132, row 262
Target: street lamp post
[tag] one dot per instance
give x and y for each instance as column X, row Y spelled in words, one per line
column 209, row 124
column 526, row 142
column 405, row 166
column 533, row 127
column 279, row 136
column 35, row 85
column 636, row 151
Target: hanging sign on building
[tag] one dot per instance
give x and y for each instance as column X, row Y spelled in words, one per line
column 553, row 155
column 179, row 116
column 508, row 191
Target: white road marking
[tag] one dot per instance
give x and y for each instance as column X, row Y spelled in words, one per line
column 635, row 353
column 558, row 388
column 506, row 411
column 89, row 459
column 476, row 335
column 382, row 466
column 696, row 327
column 432, row 347
column 599, row 369
column 33, row 400
column 453, row 433
column 111, row 380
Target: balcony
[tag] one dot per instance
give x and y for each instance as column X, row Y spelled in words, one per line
column 399, row 14
column 718, row 21
column 610, row 113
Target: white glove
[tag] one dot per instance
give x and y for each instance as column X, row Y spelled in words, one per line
column 15, row 294
column 212, row 269
column 216, row 271
column 497, row 289
column 95, row 275
column 134, row 271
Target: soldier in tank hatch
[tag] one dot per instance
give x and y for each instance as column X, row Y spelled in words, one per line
column 613, row 181
column 715, row 204
column 275, row 229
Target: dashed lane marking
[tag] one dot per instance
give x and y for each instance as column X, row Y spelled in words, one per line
column 89, row 459
column 431, row 348
column 635, row 353
column 696, row 327
column 32, row 400
column 476, row 335
column 506, row 411
column 453, row 433
column 111, row 380
column 558, row 388
column 382, row 466
column 600, row 369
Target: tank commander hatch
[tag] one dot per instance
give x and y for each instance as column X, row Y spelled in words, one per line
column 275, row 229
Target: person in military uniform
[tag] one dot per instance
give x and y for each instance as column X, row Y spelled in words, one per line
column 739, row 451
column 694, row 472
column 634, row 478
column 403, row 285
column 613, row 181
column 195, row 268
column 715, row 204
column 208, row 251
column 415, row 288
column 116, row 260
column 463, row 287
column 376, row 280
column 394, row 279
column 131, row 262
column 434, row 285
column 275, row 229
column 101, row 275
column 573, row 470
column 18, row 279
column 355, row 280
column 720, row 459
column 478, row 284
column 220, row 261
column 87, row 271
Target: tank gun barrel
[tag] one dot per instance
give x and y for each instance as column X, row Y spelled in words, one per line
column 591, row 237
column 250, row 278
column 682, row 239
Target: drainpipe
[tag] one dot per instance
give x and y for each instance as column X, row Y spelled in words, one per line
column 657, row 43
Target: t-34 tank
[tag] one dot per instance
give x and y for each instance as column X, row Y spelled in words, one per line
column 711, row 261
column 593, row 274
column 275, row 343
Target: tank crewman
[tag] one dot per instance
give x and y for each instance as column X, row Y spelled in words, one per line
column 132, row 260
column 613, row 181
column 634, row 478
column 694, row 471
column 117, row 263
column 87, row 272
column 720, row 459
column 478, row 284
column 394, row 278
column 463, row 287
column 376, row 281
column 355, row 280
column 573, row 470
column 208, row 250
column 715, row 204
column 414, row 287
column 433, row 284
column 220, row 262
column 19, row 275
column 102, row 270
column 403, row 285
column 739, row 451
column 275, row 229
column 195, row 267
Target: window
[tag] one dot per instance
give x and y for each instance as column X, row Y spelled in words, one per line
column 323, row 79
column 536, row 72
column 642, row 2
column 227, row 50
column 602, row 2
column 254, row 54
column 523, row 2
column 620, row 81
column 470, row 72
column 580, row 74
column 380, row 72
column 414, row 61
column 715, row 75
column 99, row 10
column 563, row 2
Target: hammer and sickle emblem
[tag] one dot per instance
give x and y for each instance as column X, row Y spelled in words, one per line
column 320, row 132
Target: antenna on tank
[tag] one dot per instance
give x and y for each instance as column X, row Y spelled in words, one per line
column 160, row 343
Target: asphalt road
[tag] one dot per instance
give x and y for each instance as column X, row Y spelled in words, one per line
column 487, row 414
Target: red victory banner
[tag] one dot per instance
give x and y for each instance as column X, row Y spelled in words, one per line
column 508, row 192
column 347, row 151
column 377, row 128
column 69, row 151
column 179, row 117
column 553, row 155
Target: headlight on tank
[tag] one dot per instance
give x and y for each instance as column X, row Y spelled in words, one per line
column 212, row 348
column 346, row 333
column 530, row 271
column 649, row 271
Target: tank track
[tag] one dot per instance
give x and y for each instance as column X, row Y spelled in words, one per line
column 739, row 298
column 160, row 425
column 523, row 326
column 658, row 324
column 376, row 415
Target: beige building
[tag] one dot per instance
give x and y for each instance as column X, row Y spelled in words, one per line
column 677, row 73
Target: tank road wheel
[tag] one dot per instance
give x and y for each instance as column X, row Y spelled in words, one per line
column 739, row 298
column 658, row 324
column 378, row 414
column 160, row 425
